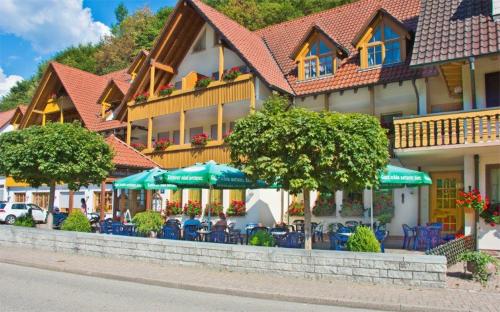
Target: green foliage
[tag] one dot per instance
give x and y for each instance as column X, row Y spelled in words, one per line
column 55, row 153
column 25, row 220
column 76, row 222
column 363, row 240
column 301, row 149
column 325, row 205
column 121, row 12
column 262, row 238
column 480, row 261
column 147, row 222
column 203, row 83
column 20, row 93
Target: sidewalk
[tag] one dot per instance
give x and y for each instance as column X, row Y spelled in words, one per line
column 389, row 298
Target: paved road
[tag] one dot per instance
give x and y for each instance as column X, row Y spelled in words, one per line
column 29, row 289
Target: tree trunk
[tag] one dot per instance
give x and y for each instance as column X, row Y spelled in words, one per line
column 307, row 220
column 52, row 195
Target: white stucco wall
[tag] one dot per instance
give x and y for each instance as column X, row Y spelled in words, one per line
column 484, row 65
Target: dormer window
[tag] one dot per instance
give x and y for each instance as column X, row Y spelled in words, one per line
column 384, row 41
column 319, row 61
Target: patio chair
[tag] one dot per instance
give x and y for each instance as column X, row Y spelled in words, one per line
column 409, row 234
column 338, row 241
column 381, row 235
column 234, row 236
column 173, row 222
column 334, row 227
column 59, row 219
column 291, row 240
column 352, row 224
column 434, row 236
column 105, row 227
column 218, row 237
column 422, row 240
column 191, row 232
column 117, row 228
column 171, row 231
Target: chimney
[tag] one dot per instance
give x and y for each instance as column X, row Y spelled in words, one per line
column 495, row 9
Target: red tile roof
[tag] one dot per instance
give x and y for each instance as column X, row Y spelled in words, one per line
column 127, row 156
column 455, row 29
column 6, row 117
column 84, row 89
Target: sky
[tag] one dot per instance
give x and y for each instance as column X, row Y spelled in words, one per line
column 32, row 31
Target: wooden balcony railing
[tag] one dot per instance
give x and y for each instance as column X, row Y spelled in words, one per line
column 179, row 156
column 480, row 126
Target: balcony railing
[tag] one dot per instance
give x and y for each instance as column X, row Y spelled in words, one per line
column 480, row 126
column 179, row 156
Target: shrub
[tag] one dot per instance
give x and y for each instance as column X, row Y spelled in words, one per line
column 262, row 238
column 147, row 222
column 479, row 261
column 76, row 222
column 237, row 208
column 25, row 220
column 363, row 240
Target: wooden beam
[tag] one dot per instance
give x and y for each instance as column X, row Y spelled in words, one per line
column 151, row 82
column 221, row 62
column 129, row 131
column 36, row 111
column 182, row 124
column 150, row 133
column 103, row 200
column 44, row 119
column 220, row 114
column 252, row 96
column 163, row 67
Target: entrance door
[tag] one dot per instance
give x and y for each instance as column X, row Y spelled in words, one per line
column 444, row 193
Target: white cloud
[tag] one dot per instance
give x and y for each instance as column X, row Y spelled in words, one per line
column 7, row 82
column 50, row 25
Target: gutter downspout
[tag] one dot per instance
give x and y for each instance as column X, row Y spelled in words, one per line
column 472, row 71
column 413, row 82
column 476, row 214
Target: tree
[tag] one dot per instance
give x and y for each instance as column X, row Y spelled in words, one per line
column 121, row 12
column 306, row 151
column 55, row 153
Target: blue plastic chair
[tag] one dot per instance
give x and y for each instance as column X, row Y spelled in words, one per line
column 191, row 233
column 422, row 240
column 409, row 234
column 171, row 232
column 291, row 240
column 352, row 225
column 338, row 241
column 218, row 237
column 105, row 227
column 381, row 235
column 59, row 219
column 117, row 228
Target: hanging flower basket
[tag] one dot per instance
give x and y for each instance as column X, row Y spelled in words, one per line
column 232, row 74
column 199, row 140
column 192, row 207
column 162, row 144
column 237, row 208
column 473, row 200
column 138, row 146
column 166, row 90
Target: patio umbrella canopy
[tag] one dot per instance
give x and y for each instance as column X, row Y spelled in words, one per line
column 143, row 181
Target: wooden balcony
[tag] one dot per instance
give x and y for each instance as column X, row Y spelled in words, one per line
column 457, row 128
column 179, row 156
column 218, row 92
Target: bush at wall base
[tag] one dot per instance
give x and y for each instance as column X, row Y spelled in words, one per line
column 76, row 222
column 262, row 238
column 363, row 240
column 25, row 220
column 148, row 223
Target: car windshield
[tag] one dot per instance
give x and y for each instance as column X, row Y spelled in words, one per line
column 2, row 205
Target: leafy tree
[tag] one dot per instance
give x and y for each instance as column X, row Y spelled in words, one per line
column 20, row 93
column 306, row 151
column 55, row 153
column 121, row 12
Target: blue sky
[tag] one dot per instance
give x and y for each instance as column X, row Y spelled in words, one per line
column 33, row 30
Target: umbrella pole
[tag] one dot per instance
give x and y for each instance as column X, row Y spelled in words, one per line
column 209, row 208
column 371, row 208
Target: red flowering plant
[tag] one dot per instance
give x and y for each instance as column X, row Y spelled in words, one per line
column 141, row 97
column 192, row 207
column 138, row 146
column 174, row 208
column 491, row 214
column 474, row 200
column 166, row 90
column 296, row 209
column 214, row 208
column 199, row 140
column 232, row 74
column 162, row 144
column 237, row 208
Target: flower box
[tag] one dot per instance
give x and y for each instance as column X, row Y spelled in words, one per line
column 237, row 208
column 141, row 98
column 162, row 144
column 138, row 146
column 232, row 74
column 203, row 83
column 214, row 208
column 166, row 90
column 199, row 140
column 192, row 207
column 174, row 208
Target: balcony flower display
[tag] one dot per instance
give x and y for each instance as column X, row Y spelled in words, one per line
column 141, row 97
column 324, row 206
column 174, row 208
column 296, row 209
column 203, row 83
column 138, row 146
column 352, row 208
column 192, row 207
column 474, row 200
column 161, row 144
column 232, row 74
column 237, row 208
column 199, row 140
column 166, row 90
column 215, row 209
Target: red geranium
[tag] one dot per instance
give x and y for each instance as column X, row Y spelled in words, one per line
column 162, row 144
column 236, row 208
column 199, row 140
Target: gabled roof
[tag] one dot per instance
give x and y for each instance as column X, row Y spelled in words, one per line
column 316, row 28
column 455, row 29
column 342, row 23
column 6, row 117
column 143, row 54
column 120, row 86
column 126, row 156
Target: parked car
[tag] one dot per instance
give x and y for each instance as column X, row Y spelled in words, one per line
column 9, row 212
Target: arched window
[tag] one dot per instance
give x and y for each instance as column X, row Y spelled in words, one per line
column 319, row 61
column 384, row 47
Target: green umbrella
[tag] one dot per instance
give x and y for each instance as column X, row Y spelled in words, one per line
column 143, row 181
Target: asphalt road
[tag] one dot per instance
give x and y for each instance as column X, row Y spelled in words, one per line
column 30, row 289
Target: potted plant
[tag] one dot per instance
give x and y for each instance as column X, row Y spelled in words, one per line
column 174, row 208
column 296, row 209
column 480, row 264
column 491, row 214
column 138, row 146
column 162, row 144
column 214, row 208
column 199, row 140
column 203, row 83
column 474, row 201
column 232, row 74
column 141, row 98
column 237, row 208
column 166, row 90
column 192, row 207
column 148, row 223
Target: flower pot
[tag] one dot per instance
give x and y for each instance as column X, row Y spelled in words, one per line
column 152, row 234
column 471, row 267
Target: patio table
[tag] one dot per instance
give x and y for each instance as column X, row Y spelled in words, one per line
column 204, row 234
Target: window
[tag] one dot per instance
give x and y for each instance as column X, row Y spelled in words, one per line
column 217, row 196
column 493, row 184
column 384, row 47
column 19, row 206
column 19, row 197
column 238, row 195
column 194, row 195
column 176, row 135
column 163, row 135
column 176, row 196
column 41, row 199
column 201, row 44
column 192, row 133
column 318, row 61
column 108, row 200
column 213, row 131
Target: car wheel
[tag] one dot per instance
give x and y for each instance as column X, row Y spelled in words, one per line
column 10, row 219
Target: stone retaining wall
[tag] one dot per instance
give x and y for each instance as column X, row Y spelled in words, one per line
column 401, row 269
